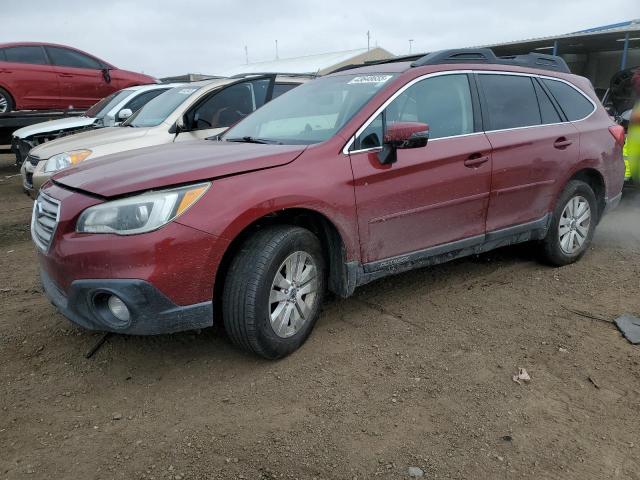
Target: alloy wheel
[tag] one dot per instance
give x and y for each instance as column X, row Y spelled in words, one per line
column 293, row 294
column 4, row 104
column 574, row 225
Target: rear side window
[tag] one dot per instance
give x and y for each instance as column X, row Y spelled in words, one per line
column 280, row 88
column 511, row 101
column 547, row 110
column 64, row 57
column 27, row 54
column 573, row 103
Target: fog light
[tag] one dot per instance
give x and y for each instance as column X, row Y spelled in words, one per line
column 118, row 308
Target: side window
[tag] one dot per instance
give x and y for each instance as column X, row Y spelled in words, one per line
column 442, row 102
column 573, row 103
column 229, row 106
column 64, row 57
column 511, row 101
column 26, row 54
column 141, row 100
column 280, row 88
column 3, row 58
column 547, row 110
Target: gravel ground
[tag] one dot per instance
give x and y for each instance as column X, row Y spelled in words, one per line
column 412, row 371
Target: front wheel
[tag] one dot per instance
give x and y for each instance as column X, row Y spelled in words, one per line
column 273, row 291
column 6, row 102
column 572, row 225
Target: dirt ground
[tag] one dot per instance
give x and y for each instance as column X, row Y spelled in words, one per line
column 413, row 371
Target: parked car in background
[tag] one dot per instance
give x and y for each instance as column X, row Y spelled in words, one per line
column 108, row 112
column 189, row 112
column 349, row 178
column 45, row 76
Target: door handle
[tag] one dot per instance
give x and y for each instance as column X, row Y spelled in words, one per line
column 65, row 75
column 475, row 160
column 562, row 143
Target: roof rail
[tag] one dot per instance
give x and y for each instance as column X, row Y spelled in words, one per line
column 283, row 74
column 486, row 55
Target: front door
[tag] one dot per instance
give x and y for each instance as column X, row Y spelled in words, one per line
column 430, row 196
column 221, row 109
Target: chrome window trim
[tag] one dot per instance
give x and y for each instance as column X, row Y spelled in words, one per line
column 345, row 149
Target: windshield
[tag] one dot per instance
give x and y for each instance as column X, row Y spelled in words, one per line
column 100, row 109
column 311, row 113
column 157, row 110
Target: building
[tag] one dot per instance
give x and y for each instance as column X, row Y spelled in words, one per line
column 319, row 64
column 596, row 53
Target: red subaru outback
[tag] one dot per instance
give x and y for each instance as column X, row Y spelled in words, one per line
column 346, row 179
column 43, row 76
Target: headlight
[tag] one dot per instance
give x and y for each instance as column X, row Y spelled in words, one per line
column 64, row 160
column 139, row 214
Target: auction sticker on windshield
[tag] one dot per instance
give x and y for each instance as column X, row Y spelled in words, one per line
column 370, row 79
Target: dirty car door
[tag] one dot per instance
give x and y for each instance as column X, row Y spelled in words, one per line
column 432, row 195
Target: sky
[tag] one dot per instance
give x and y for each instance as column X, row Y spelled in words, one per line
column 172, row 37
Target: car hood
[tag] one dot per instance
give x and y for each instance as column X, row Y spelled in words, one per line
column 90, row 140
column 54, row 126
column 173, row 164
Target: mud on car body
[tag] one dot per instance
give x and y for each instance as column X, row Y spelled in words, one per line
column 354, row 176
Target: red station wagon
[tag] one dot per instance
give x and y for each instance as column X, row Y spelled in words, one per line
column 344, row 180
column 43, row 76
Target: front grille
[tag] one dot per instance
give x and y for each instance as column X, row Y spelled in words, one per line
column 46, row 212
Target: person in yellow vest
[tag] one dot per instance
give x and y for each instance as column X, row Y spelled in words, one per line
column 631, row 150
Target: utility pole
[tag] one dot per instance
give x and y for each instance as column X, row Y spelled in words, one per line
column 277, row 57
column 410, row 43
column 368, row 40
column 246, row 55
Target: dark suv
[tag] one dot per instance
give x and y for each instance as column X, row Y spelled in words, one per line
column 344, row 180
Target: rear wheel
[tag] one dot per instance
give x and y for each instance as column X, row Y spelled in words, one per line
column 6, row 102
column 572, row 226
column 273, row 291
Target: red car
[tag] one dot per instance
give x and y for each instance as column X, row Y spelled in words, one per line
column 351, row 177
column 42, row 76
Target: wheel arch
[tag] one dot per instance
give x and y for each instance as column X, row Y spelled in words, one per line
column 11, row 96
column 595, row 180
column 341, row 274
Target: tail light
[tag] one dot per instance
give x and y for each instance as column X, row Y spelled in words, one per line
column 618, row 133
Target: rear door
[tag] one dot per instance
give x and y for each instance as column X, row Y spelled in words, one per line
column 80, row 76
column 29, row 78
column 433, row 195
column 532, row 143
column 218, row 110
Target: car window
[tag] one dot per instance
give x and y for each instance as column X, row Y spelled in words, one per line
column 26, row 54
column 228, row 106
column 139, row 101
column 548, row 111
column 280, row 88
column 574, row 104
column 442, row 102
column 157, row 110
column 3, row 58
column 63, row 57
column 511, row 101
column 100, row 109
column 312, row 112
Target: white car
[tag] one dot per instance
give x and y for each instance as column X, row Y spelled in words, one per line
column 189, row 112
column 108, row 112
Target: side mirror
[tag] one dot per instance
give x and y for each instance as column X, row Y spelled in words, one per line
column 401, row 135
column 179, row 126
column 106, row 75
column 124, row 114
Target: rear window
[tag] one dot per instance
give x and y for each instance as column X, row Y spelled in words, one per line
column 26, row 54
column 511, row 100
column 574, row 104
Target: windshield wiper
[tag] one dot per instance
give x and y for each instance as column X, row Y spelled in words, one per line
column 248, row 139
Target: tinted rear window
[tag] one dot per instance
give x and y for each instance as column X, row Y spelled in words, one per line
column 547, row 109
column 511, row 101
column 573, row 103
column 27, row 54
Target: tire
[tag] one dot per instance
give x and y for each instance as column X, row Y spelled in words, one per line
column 253, row 322
column 6, row 102
column 562, row 247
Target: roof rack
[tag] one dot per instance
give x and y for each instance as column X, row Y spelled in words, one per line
column 486, row 55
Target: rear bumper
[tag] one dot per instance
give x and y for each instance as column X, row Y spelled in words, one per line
column 151, row 312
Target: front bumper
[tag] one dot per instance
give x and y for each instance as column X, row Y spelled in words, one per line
column 151, row 312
